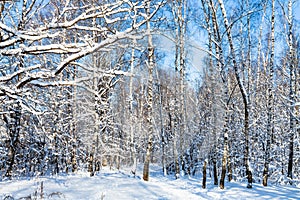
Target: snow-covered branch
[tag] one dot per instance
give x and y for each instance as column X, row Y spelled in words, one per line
column 68, row 34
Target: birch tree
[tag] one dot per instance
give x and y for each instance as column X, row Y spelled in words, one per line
column 52, row 38
column 214, row 43
column 292, row 89
column 270, row 92
column 150, row 65
column 243, row 92
column 131, row 110
column 54, row 26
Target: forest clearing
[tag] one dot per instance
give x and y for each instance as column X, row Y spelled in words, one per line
column 122, row 185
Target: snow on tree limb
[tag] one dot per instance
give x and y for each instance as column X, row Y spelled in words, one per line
column 46, row 38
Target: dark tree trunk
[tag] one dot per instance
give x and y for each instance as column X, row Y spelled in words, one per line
column 224, row 162
column 90, row 164
column 215, row 172
column 204, row 175
column 292, row 91
column 13, row 123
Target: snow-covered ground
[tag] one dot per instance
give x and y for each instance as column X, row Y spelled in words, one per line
column 118, row 185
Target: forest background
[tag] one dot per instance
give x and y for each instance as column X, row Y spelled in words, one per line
column 206, row 86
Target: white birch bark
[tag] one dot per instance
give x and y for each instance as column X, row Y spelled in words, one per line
column 270, row 106
column 150, row 95
column 292, row 89
column 131, row 112
column 243, row 92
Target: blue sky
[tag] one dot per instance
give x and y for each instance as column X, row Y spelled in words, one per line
column 297, row 11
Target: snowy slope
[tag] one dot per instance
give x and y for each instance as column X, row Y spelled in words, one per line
column 121, row 185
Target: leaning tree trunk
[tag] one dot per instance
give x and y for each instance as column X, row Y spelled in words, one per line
column 243, row 92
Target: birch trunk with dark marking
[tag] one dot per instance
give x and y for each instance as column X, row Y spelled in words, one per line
column 162, row 129
column 257, row 90
column 182, row 115
column 131, row 113
column 209, row 13
column 220, row 67
column 243, row 92
column 224, row 158
column 150, row 96
column 270, row 93
column 292, row 91
column 225, row 141
column 178, row 9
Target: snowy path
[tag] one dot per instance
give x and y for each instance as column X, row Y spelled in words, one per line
column 114, row 185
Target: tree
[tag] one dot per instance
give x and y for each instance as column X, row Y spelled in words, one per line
column 270, row 92
column 53, row 39
column 150, row 66
column 243, row 92
column 212, row 27
column 292, row 85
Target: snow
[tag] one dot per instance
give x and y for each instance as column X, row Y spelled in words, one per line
column 114, row 184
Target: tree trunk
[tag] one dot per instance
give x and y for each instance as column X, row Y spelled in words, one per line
column 180, row 125
column 270, row 122
column 220, row 66
column 226, row 136
column 182, row 120
column 90, row 163
column 243, row 92
column 225, row 150
column 150, row 97
column 229, row 168
column 162, row 130
column 292, row 92
column 204, row 175
column 215, row 171
column 131, row 120
column 74, row 125
column 13, row 123
column 176, row 159
column 175, row 151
